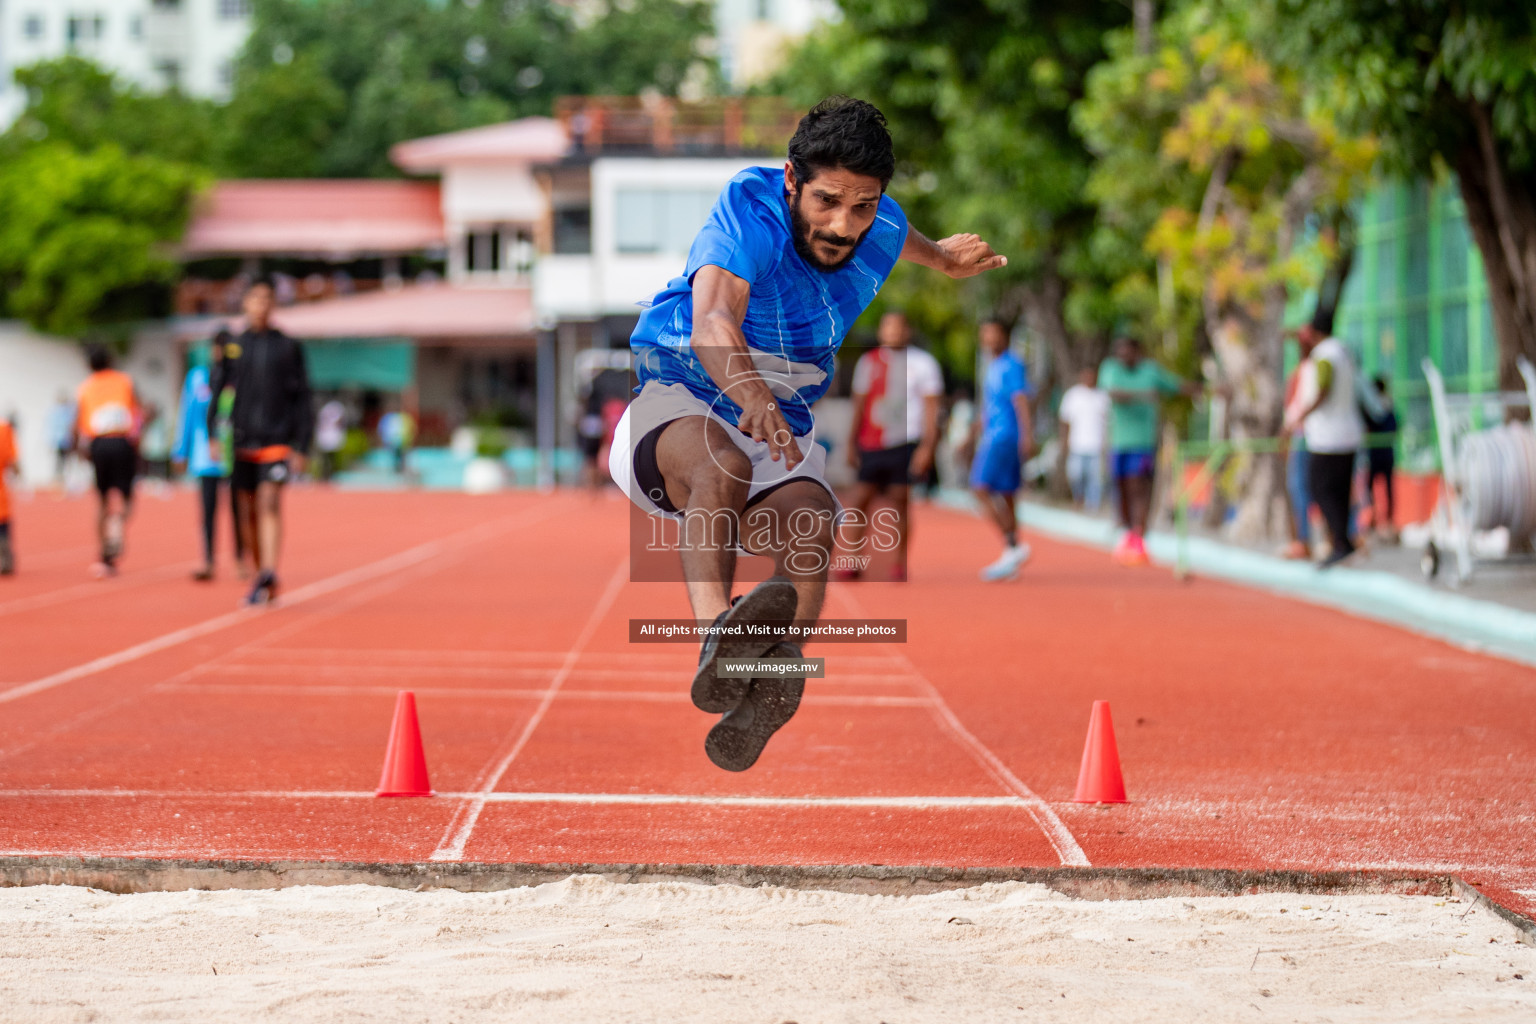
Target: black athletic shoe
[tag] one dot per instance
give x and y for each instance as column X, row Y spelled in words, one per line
column 1336, row 557
column 771, row 603
column 738, row 739
column 264, row 591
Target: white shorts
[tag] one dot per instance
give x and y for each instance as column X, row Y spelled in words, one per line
column 659, row 404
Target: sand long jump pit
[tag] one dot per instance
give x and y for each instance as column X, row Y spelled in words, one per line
column 592, row 947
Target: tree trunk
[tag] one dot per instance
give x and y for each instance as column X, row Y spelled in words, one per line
column 1143, row 16
column 1041, row 304
column 1250, row 345
column 1502, row 217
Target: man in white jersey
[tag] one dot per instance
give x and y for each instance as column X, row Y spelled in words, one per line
column 893, row 433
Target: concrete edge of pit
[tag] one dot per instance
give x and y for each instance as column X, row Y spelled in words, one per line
column 144, row 874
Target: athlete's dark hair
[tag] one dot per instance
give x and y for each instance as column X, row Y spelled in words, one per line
column 846, row 133
column 99, row 357
column 999, row 321
column 261, row 281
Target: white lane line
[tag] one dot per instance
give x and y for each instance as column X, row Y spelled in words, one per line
column 319, row 588
column 95, row 588
column 483, row 693
column 1055, row 830
column 917, row 803
column 464, row 819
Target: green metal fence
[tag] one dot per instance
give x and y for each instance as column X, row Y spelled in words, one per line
column 1417, row 289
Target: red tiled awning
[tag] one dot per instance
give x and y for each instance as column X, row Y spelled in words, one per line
column 428, row 311
column 415, row 311
column 316, row 218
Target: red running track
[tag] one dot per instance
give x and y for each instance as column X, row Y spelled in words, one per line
column 146, row 716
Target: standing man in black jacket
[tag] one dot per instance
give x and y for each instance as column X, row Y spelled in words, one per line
column 270, row 424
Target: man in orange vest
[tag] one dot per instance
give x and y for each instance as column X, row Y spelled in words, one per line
column 7, row 463
column 107, row 430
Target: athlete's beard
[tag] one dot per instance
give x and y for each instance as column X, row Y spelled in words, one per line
column 800, row 230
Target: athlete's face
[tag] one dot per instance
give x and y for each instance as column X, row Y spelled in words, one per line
column 258, row 307
column 993, row 338
column 894, row 331
column 831, row 213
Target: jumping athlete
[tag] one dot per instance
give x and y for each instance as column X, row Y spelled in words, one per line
column 270, row 423
column 730, row 358
column 107, row 430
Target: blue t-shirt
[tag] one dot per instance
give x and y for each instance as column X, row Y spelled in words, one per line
column 1005, row 377
column 796, row 315
column 191, row 445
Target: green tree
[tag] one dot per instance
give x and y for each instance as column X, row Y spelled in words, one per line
column 405, row 68
column 280, row 122
column 74, row 102
column 85, row 238
column 979, row 95
column 1444, row 85
column 1231, row 153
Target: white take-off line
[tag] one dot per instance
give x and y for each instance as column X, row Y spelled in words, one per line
column 462, row 825
column 1055, row 830
column 319, row 588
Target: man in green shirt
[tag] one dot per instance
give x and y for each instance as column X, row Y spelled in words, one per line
column 1135, row 385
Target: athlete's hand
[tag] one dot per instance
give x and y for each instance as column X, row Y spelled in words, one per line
column 763, row 420
column 215, row 451
column 922, row 461
column 298, row 460
column 968, row 255
column 853, row 456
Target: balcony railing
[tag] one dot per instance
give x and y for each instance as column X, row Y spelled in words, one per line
column 645, row 125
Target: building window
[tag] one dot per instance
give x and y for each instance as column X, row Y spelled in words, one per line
column 231, row 10
column 573, row 231
column 482, row 251
column 79, row 30
column 32, row 27
column 660, row 220
column 169, row 4
column 227, row 75
column 169, row 72
column 136, row 27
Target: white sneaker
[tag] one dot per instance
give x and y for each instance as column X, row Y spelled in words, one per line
column 1007, row 565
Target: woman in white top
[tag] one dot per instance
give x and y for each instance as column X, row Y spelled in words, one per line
column 1328, row 413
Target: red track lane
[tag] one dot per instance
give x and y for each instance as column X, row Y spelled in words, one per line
column 1256, row 732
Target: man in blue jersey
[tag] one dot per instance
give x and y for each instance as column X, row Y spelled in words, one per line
column 730, row 359
column 1001, row 441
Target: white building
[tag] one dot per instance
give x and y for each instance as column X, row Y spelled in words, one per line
column 157, row 44
column 753, row 35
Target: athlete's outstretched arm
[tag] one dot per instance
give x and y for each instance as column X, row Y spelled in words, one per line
column 957, row 255
column 719, row 307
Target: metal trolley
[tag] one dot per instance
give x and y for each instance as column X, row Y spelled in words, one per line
column 1488, row 471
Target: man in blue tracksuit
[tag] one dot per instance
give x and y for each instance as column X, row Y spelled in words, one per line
column 192, row 450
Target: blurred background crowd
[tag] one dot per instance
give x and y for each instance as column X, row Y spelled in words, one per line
column 461, row 201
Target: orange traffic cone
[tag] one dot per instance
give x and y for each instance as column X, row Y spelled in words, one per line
column 405, row 763
column 1099, row 780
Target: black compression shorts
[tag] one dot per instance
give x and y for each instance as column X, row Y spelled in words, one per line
column 116, row 462
column 886, row 467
